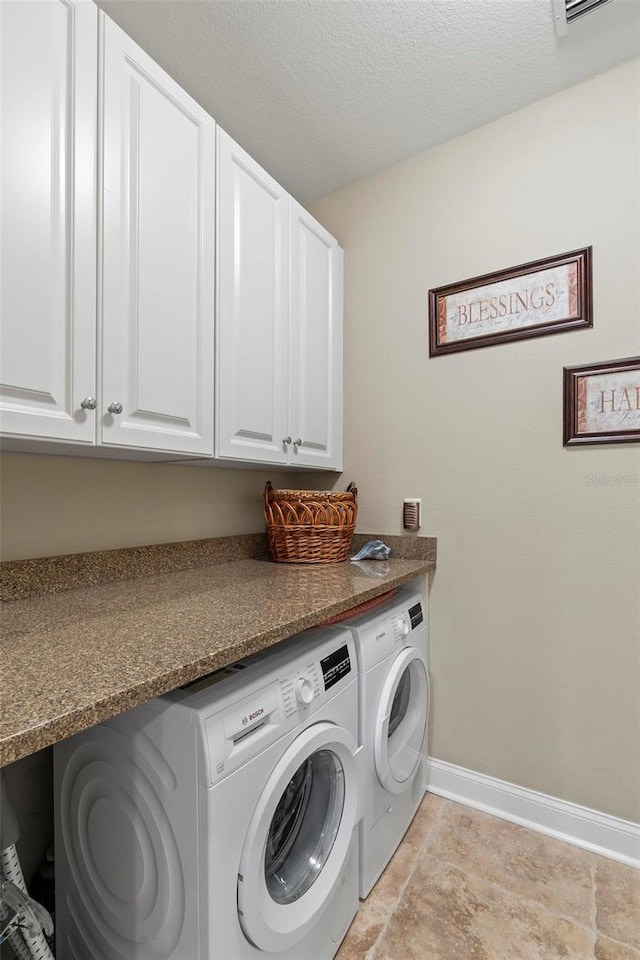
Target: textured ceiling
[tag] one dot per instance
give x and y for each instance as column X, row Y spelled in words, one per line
column 323, row 92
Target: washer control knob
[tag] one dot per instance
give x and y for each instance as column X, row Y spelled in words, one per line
column 304, row 690
column 404, row 628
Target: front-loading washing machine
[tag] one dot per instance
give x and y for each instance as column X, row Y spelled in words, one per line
column 392, row 651
column 218, row 822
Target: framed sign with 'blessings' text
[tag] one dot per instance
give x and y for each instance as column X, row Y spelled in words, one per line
column 530, row 300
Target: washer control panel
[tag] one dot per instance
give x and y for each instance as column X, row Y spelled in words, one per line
column 301, row 689
column 311, row 681
column 336, row 666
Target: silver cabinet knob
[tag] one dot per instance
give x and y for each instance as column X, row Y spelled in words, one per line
column 297, row 443
column 115, row 407
column 89, row 403
column 286, row 441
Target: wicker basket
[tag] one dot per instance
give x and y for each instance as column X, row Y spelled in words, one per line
column 310, row 526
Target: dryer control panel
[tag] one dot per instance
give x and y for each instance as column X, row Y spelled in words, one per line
column 416, row 615
column 401, row 627
column 383, row 632
column 407, row 621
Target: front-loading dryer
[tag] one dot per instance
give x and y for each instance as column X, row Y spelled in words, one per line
column 392, row 651
column 218, row 822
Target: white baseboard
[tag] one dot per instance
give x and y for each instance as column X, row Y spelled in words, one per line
column 598, row 832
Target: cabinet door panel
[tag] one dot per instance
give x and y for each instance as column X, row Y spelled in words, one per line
column 316, row 343
column 252, row 387
column 158, row 256
column 48, row 91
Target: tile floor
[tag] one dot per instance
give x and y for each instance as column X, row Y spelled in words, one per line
column 466, row 886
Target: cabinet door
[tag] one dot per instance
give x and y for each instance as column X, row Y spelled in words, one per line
column 316, row 344
column 251, row 350
column 48, row 91
column 158, row 264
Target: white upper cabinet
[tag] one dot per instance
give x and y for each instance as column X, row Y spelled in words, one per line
column 279, row 323
column 252, row 322
column 134, row 235
column 316, row 343
column 48, row 110
column 158, row 259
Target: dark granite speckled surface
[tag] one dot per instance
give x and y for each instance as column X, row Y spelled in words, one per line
column 405, row 547
column 30, row 578
column 72, row 659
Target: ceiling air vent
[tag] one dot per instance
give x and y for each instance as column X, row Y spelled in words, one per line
column 566, row 11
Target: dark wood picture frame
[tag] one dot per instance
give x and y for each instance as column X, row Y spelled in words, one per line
column 575, row 403
column 580, row 317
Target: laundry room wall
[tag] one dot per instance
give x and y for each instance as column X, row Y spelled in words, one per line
column 54, row 505
column 535, row 603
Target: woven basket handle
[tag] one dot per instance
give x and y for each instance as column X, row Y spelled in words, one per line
column 268, row 490
column 353, row 489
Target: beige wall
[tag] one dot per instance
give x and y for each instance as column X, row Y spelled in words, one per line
column 535, row 622
column 51, row 505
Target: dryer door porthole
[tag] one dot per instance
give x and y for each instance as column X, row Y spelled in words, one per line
column 298, row 839
column 401, row 721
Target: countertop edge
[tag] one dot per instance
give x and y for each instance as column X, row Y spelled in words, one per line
column 30, row 740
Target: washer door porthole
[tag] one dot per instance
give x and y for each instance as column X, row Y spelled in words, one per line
column 304, row 826
column 299, row 838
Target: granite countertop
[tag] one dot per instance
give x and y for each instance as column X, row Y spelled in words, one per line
column 72, row 659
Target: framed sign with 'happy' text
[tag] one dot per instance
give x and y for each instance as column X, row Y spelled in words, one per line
column 530, row 300
column 602, row 402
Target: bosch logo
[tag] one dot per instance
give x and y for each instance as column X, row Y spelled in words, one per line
column 252, row 716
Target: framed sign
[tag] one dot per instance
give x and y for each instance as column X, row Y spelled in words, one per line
column 602, row 402
column 545, row 296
